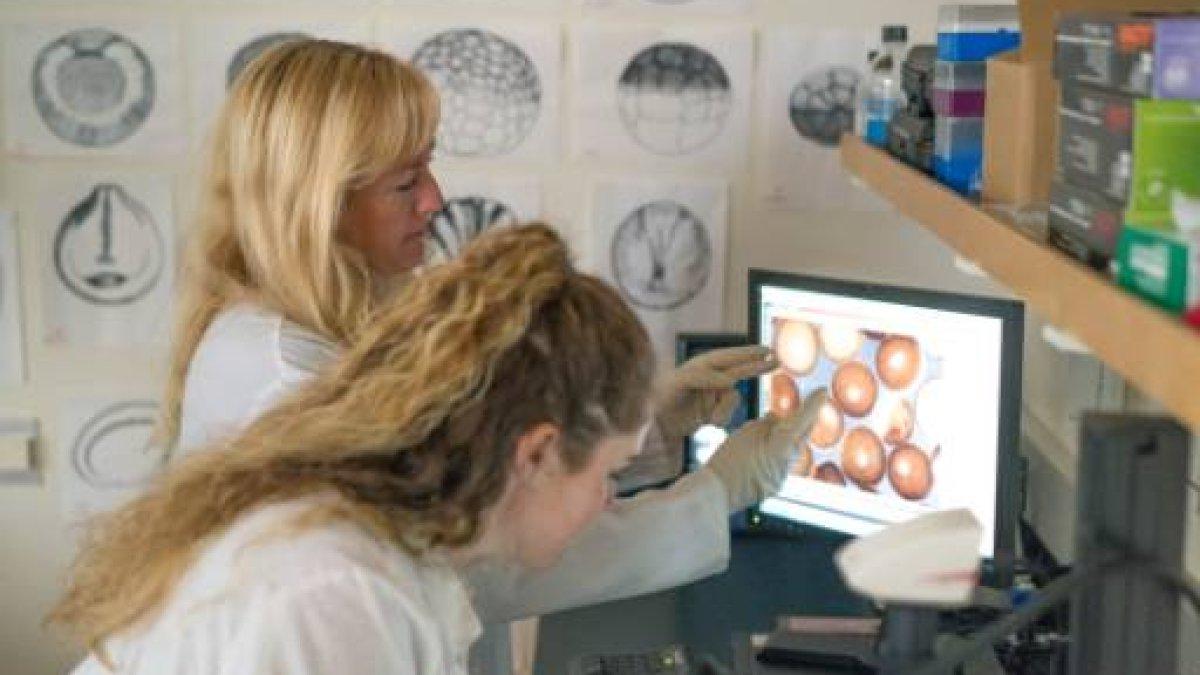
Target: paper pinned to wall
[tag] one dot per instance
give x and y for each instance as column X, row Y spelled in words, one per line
column 671, row 6
column 219, row 50
column 662, row 243
column 810, row 81
column 106, row 455
column 475, row 203
column 499, row 86
column 84, row 88
column 12, row 353
column 107, row 257
column 663, row 94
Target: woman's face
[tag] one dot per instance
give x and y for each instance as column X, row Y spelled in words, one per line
column 387, row 219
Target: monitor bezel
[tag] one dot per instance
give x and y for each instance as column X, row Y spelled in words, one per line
column 998, row 570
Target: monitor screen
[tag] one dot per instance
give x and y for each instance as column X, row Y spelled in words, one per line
column 700, row 446
column 924, row 399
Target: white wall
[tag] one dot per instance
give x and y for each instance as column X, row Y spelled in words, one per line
column 35, row 548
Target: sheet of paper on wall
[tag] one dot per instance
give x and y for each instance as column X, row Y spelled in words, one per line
column 93, row 88
column 680, row 7
column 105, row 452
column 476, row 203
column 662, row 244
column 107, row 264
column 663, row 95
column 810, row 81
column 499, row 86
column 219, row 50
column 12, row 353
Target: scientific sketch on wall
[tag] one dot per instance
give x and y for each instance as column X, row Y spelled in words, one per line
column 12, row 352
column 673, row 6
column 108, row 242
column 663, row 93
column 107, row 452
column 220, row 50
column 498, row 87
column 810, row 81
column 662, row 244
column 92, row 89
column 475, row 204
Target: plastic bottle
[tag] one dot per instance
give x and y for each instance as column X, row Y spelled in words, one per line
column 884, row 93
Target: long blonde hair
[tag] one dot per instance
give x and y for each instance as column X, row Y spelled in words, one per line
column 303, row 124
column 414, row 426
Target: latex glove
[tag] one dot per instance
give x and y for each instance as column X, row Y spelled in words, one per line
column 701, row 391
column 753, row 463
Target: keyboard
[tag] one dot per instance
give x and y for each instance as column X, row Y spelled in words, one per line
column 667, row 661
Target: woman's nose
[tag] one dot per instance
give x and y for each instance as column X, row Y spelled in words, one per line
column 429, row 200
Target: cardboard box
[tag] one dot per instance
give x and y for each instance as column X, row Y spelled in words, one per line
column 1095, row 140
column 1166, row 171
column 1110, row 51
column 1177, row 59
column 1019, row 131
column 1160, row 266
column 1085, row 225
column 1039, row 19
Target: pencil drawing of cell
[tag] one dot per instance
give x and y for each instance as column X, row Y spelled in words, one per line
column 461, row 220
column 661, row 255
column 252, row 49
column 114, row 448
column 108, row 249
column 93, row 87
column 821, row 106
column 490, row 89
column 674, row 98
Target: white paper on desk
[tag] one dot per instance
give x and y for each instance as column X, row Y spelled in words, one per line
column 105, row 453
column 663, row 94
column 107, row 257
column 219, row 49
column 93, row 88
column 662, row 244
column 680, row 7
column 499, row 85
column 12, row 353
column 810, row 81
column 475, row 203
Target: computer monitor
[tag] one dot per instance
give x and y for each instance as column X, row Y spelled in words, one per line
column 701, row 445
column 924, row 404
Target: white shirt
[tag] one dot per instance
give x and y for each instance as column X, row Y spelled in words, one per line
column 264, row 598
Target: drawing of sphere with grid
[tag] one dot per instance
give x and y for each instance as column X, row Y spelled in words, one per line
column 661, row 255
column 115, row 447
column 253, row 49
column 822, row 104
column 461, row 220
column 92, row 87
column 491, row 92
column 674, row 98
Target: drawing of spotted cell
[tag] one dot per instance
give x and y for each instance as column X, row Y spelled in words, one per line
column 114, row 448
column 92, row 87
column 490, row 90
column 822, row 104
column 108, row 249
column 463, row 219
column 674, row 98
column 252, row 49
column 661, row 255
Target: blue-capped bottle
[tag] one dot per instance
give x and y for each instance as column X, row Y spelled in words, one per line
column 884, row 92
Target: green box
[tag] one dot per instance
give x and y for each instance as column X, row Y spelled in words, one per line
column 1166, row 156
column 1157, row 264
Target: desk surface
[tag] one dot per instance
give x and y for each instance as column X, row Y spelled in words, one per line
column 767, row 577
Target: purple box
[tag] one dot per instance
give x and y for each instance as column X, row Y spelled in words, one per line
column 1177, row 58
column 961, row 103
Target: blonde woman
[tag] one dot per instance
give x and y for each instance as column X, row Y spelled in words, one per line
column 313, row 210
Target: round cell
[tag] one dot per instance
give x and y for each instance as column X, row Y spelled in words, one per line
column 661, row 255
column 795, row 345
column 827, row 430
column 253, row 49
column 840, row 341
column 863, row 458
column 108, row 250
column 460, row 221
column 674, row 98
column 828, row 472
column 822, row 104
column 901, row 421
column 92, row 87
column 910, row 472
column 114, row 447
column 854, row 389
column 490, row 90
column 804, row 462
column 784, row 394
column 898, row 361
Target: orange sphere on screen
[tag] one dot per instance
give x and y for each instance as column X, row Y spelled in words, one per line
column 804, row 462
column 898, row 361
column 828, row 472
column 795, row 346
column 854, row 389
column 910, row 471
column 863, row 458
column 827, row 430
column 900, row 422
column 784, row 394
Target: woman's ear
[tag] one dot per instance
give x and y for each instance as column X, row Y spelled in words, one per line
column 538, row 451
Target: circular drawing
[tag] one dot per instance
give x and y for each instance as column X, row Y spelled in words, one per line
column 108, row 249
column 461, row 220
column 93, row 87
column 490, row 90
column 114, row 448
column 674, row 98
column 661, row 255
column 822, row 104
column 252, row 49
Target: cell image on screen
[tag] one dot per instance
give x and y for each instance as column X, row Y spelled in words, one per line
column 911, row 425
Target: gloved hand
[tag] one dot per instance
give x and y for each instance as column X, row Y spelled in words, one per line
column 753, row 463
column 701, row 391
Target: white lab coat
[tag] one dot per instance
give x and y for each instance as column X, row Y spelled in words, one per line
column 328, row 599
column 250, row 357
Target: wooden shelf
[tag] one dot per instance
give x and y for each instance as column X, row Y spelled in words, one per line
column 1151, row 349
